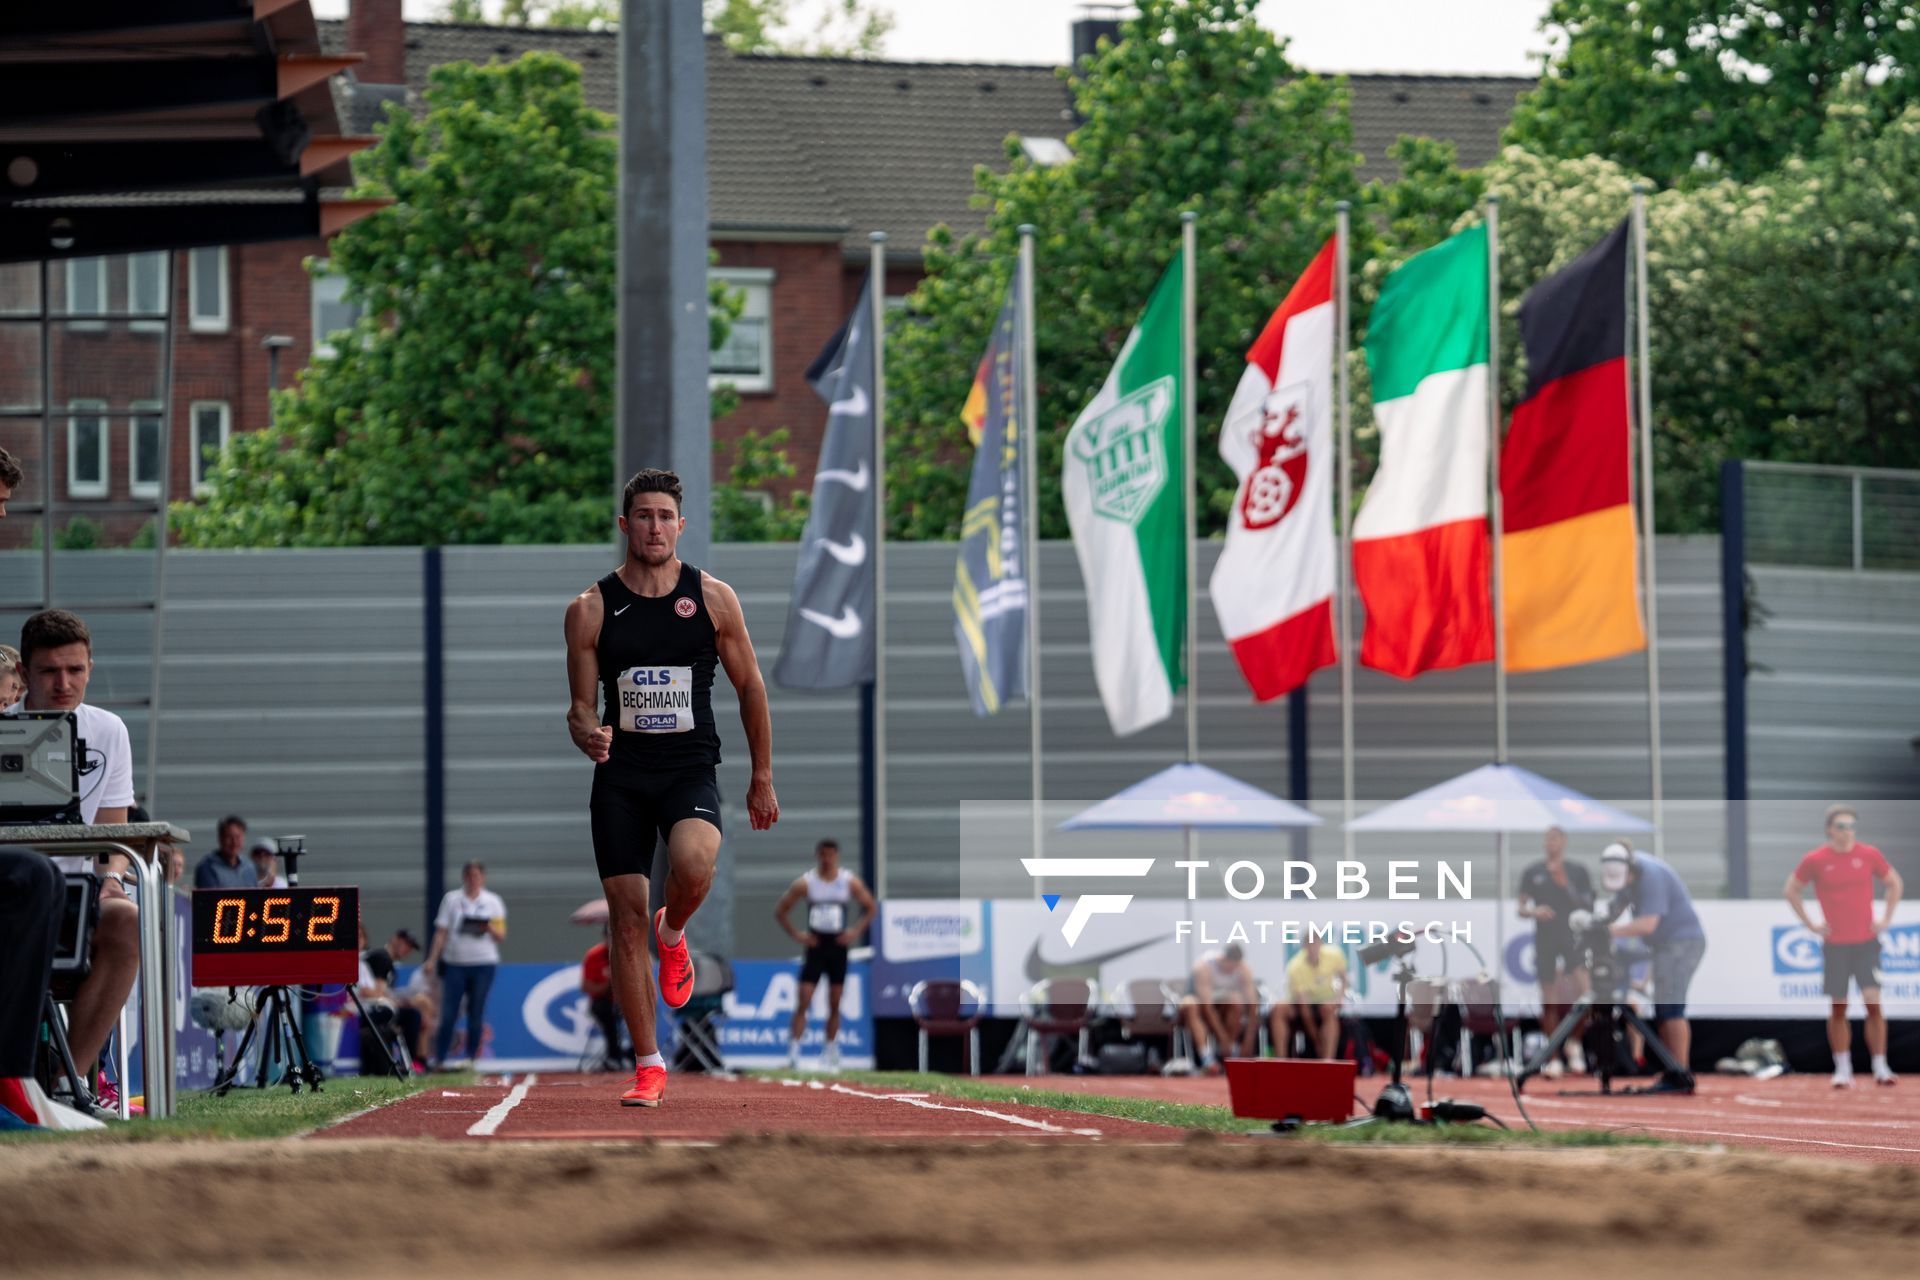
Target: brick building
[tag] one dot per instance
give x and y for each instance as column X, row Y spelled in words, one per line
column 806, row 156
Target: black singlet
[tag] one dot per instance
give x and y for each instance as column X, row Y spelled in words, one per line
column 657, row 658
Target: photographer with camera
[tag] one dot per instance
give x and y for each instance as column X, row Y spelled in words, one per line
column 1664, row 919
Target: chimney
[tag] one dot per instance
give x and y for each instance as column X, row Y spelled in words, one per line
column 376, row 28
column 1096, row 21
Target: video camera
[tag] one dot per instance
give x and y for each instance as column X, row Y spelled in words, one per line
column 1592, row 934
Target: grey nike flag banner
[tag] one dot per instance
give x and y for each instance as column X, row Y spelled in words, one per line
column 829, row 640
column 990, row 577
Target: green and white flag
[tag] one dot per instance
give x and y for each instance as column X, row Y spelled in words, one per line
column 1124, row 472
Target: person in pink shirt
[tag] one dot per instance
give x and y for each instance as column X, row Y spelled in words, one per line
column 1842, row 872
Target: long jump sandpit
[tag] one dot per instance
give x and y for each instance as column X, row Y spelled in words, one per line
column 771, row 1186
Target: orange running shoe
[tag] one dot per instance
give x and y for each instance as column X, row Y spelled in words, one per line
column 649, row 1088
column 676, row 967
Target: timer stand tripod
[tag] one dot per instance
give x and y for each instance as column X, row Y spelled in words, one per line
column 283, row 1035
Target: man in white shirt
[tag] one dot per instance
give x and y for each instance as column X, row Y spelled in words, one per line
column 56, row 650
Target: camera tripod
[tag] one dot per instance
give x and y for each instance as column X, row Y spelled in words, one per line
column 283, row 1035
column 1395, row 1103
column 1610, row 1018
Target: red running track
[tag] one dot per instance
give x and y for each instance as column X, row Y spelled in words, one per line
column 702, row 1109
column 1798, row 1115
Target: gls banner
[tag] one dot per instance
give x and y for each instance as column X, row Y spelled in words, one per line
column 1798, row 951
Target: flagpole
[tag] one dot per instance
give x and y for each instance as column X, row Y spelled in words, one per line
column 1189, row 240
column 1643, row 374
column 1030, row 517
column 1493, row 457
column 1499, row 565
column 1343, row 213
column 877, row 318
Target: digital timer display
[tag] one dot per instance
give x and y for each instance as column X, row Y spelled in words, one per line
column 275, row 936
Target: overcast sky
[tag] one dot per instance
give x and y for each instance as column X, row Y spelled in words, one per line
column 1344, row 35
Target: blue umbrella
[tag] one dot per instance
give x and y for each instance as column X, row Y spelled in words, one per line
column 1191, row 796
column 1499, row 798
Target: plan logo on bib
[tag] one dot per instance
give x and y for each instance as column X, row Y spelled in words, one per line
column 1123, row 452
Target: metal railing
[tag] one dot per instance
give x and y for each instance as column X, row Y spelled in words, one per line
column 1861, row 519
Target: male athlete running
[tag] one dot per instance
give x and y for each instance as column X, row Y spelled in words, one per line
column 647, row 636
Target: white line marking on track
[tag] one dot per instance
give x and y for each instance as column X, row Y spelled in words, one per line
column 913, row 1100
column 1752, row 1101
column 484, row 1127
column 1774, row 1137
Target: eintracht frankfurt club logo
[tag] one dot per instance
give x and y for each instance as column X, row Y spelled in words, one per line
column 1280, row 467
column 685, row 606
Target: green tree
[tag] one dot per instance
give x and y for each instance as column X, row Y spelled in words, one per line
column 822, row 28
column 757, row 465
column 1698, row 89
column 837, row 28
column 473, row 401
column 1196, row 107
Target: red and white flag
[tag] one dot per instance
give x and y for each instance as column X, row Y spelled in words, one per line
column 1273, row 585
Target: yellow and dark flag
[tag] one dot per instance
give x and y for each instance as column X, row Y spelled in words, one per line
column 1569, row 550
column 990, row 573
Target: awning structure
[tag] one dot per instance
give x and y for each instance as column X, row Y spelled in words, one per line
column 131, row 125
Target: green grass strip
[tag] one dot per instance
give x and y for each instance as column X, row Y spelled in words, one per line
column 251, row 1114
column 1192, row 1115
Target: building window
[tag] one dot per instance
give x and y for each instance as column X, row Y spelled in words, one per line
column 87, row 449
column 144, row 454
column 147, row 290
column 745, row 359
column 87, row 291
column 331, row 311
column 212, row 420
column 207, row 290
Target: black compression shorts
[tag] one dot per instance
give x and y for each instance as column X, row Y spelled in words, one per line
column 825, row 959
column 629, row 816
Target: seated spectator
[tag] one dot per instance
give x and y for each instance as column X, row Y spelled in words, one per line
column 1316, row 987
column 377, row 992
column 171, row 857
column 13, row 680
column 57, row 655
column 266, row 864
column 596, row 979
column 225, row 868
column 1222, row 1013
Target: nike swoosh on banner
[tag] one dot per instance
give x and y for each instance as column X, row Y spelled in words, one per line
column 855, row 479
column 1079, row 966
column 852, row 552
column 853, row 405
column 844, row 627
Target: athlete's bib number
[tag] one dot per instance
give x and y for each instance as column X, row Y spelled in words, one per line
column 656, row 700
column 826, row 917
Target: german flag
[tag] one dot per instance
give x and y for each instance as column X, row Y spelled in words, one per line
column 1570, row 586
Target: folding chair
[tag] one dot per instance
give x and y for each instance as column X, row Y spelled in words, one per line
column 1480, row 1016
column 1058, row 1007
column 1150, row 1007
column 696, row 1027
column 949, row 1007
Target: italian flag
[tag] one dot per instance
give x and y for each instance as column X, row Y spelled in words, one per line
column 1273, row 583
column 1420, row 542
column 1123, row 477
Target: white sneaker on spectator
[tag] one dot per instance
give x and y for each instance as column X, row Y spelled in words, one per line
column 1884, row 1075
column 793, row 1055
column 1843, row 1076
column 1576, row 1058
column 833, row 1055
